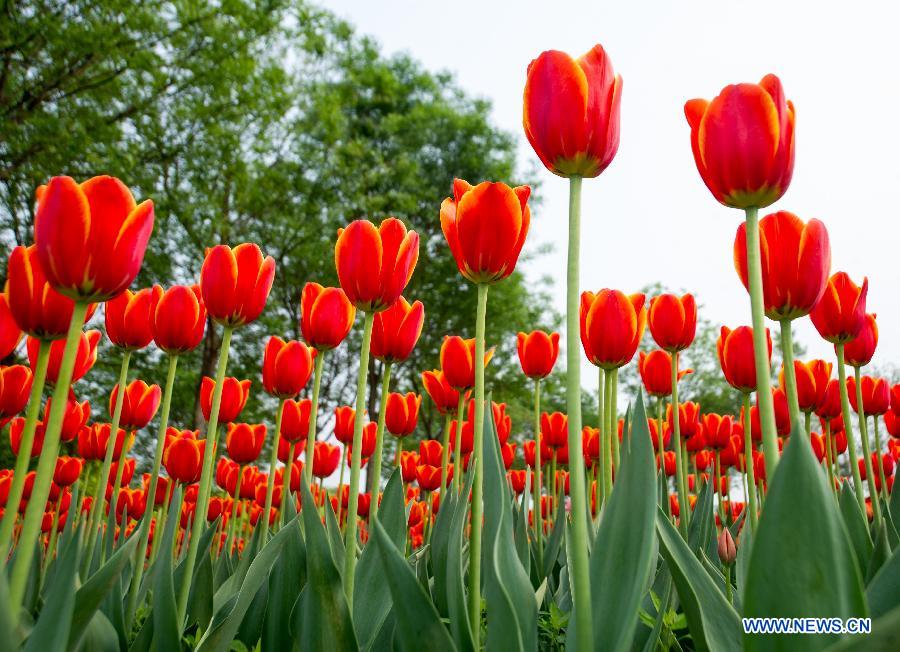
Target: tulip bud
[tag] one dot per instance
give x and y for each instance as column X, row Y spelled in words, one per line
column 727, row 549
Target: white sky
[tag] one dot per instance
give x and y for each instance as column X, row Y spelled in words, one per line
column 649, row 216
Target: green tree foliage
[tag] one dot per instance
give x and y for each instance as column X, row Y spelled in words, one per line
column 268, row 121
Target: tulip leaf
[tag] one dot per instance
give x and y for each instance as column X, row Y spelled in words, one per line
column 856, row 525
column 882, row 592
column 508, row 591
column 713, row 623
column 744, row 545
column 802, row 548
column 166, row 629
column 287, row 576
column 520, row 536
column 335, row 540
column 880, row 553
column 98, row 585
column 703, row 523
column 52, row 629
column 225, row 624
column 321, row 615
column 623, row 555
column 439, row 549
column 555, row 540
column 884, row 636
column 371, row 594
column 457, row 607
column 894, row 508
column 200, row 598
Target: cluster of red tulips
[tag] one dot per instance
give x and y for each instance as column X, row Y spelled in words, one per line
column 89, row 243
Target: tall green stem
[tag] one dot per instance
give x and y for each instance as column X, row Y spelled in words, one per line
column 21, row 470
column 206, row 474
column 536, row 481
column 144, row 534
column 864, row 438
column 457, row 445
column 790, row 376
column 445, row 451
column 356, row 460
column 608, row 434
column 579, row 550
column 614, row 418
column 760, row 345
column 829, row 458
column 375, row 461
column 232, row 521
column 879, row 461
column 478, row 484
column 848, row 428
column 285, row 474
column 601, row 426
column 680, row 480
column 31, row 525
column 313, row 418
column 749, row 471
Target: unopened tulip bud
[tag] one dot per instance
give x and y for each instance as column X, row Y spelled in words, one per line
column 727, row 549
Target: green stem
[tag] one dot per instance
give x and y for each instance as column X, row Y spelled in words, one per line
column 375, row 462
column 614, row 418
column 829, row 458
column 536, row 482
column 660, row 424
column 867, row 457
column 808, row 423
column 356, row 460
column 603, row 401
column 206, row 475
column 606, row 452
column 144, row 534
column 683, row 503
column 24, row 457
column 580, row 579
column 31, row 525
column 445, row 451
column 232, row 521
column 728, row 594
column 285, row 474
column 760, row 345
column 457, row 447
column 879, row 462
column 478, row 484
column 848, row 429
column 790, row 376
column 749, row 471
column 717, row 485
column 313, row 417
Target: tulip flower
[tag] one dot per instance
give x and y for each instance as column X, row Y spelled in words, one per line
column 735, row 351
column 140, row 404
column 396, row 330
column 15, row 387
column 655, row 369
column 612, row 325
column 295, row 420
column 554, row 429
column 179, row 319
column 875, row 395
column 401, row 413
column 67, row 470
column 16, row 428
column 235, row 283
column 673, row 321
column 129, row 317
column 537, row 353
column 85, row 356
column 344, row 423
column 287, row 367
column 859, row 351
column 571, row 111
column 444, row 397
column 458, row 361
column 10, row 331
column 812, row 381
column 234, row 397
column 409, row 462
column 244, row 441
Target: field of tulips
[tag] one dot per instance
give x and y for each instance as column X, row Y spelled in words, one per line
column 666, row 527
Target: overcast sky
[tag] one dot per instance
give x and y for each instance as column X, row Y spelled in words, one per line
column 649, row 217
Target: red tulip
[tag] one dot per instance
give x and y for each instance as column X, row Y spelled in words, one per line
column 93, row 439
column 554, row 429
column 485, row 227
column 288, row 450
column 179, row 319
column 91, row 237
column 502, row 421
column 287, row 367
column 10, row 332
column 875, row 395
column 841, row 312
column 537, row 352
column 15, row 387
column 401, row 413
column 612, row 325
column 235, row 283
column 244, row 441
column 458, row 361
column 223, row 468
column 409, row 461
column 508, row 453
column 571, row 111
column 374, row 265
column 717, row 430
column 445, row 398
column 668, row 463
column 892, row 423
column 85, row 357
column 673, row 321
column 735, row 350
column 429, row 477
column 326, row 316
column 743, row 143
column 858, row 352
column 396, row 330
column 130, row 502
column 590, row 444
column 812, row 380
column 688, row 419
column 344, row 423
column 653, row 427
column 127, row 472
column 795, row 258
column 430, row 452
column 37, row 308
column 830, row 405
column 129, row 317
column 234, row 397
column 16, row 430
column 138, row 406
column 67, row 470
column 782, row 415
column 655, row 369
column 162, row 490
column 528, row 450
column 74, row 418
column 517, row 481
column 295, row 420
column 368, row 442
column 818, row 445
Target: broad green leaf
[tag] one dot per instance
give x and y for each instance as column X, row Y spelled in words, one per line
column 224, row 625
column 714, row 624
column 166, row 628
column 857, row 527
column 100, row 635
column 418, row 625
column 371, row 595
column 52, row 629
column 880, row 554
column 287, row 577
column 439, row 549
column 92, row 592
column 512, row 623
column 801, row 549
column 894, row 508
column 8, row 629
column 744, row 545
column 230, row 588
column 251, row 629
column 883, row 592
column 457, row 607
column 321, row 616
column 335, row 540
column 201, row 593
column 703, row 523
column 623, row 555
column 520, row 536
column 885, row 636
column 555, row 540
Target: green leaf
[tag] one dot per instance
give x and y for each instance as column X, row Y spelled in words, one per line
column 225, row 624
column 457, row 607
column 703, row 522
column 8, row 628
column 623, row 556
column 555, row 540
column 884, row 637
column 52, row 629
column 92, row 592
column 288, row 575
column 321, row 616
column 882, row 592
column 166, row 628
column 335, row 540
column 894, row 507
column 520, row 536
column 418, row 625
column 439, row 549
column 371, row 595
column 857, row 527
column 802, row 564
column 880, row 553
column 508, row 592
column 201, row 594
column 744, row 545
column 714, row 624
